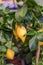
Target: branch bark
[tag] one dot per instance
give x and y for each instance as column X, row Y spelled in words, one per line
column 37, row 54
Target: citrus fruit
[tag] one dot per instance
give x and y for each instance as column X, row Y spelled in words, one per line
column 10, row 54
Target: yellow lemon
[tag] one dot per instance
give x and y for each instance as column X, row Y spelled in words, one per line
column 17, row 25
column 15, row 34
column 23, row 38
column 10, row 54
column 14, row 31
column 41, row 30
column 40, row 43
column 21, row 32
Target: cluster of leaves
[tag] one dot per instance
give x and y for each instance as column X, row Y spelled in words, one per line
column 29, row 15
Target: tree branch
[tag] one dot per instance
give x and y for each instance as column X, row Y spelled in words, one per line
column 37, row 54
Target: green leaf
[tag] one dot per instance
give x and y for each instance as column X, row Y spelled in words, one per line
column 2, row 39
column 39, row 2
column 15, row 49
column 29, row 17
column 3, row 49
column 2, row 61
column 1, row 6
column 1, row 21
column 20, row 14
column 31, row 32
column 8, row 44
column 33, row 43
column 6, row 10
column 7, row 34
column 40, row 36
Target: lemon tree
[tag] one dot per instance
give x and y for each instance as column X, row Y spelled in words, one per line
column 21, row 30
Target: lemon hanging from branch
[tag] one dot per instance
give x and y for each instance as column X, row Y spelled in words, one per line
column 15, row 30
column 10, row 54
column 20, row 32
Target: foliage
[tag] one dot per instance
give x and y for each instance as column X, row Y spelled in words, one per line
column 29, row 16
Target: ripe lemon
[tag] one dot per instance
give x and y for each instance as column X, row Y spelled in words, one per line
column 14, row 30
column 15, row 34
column 21, row 32
column 40, row 30
column 40, row 43
column 10, row 54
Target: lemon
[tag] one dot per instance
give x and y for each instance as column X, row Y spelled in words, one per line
column 10, row 54
column 40, row 43
column 21, row 32
column 40, row 30
column 17, row 25
column 15, row 34
column 14, row 30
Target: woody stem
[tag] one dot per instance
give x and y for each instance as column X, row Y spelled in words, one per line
column 37, row 54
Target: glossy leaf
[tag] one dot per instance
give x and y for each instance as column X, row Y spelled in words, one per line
column 8, row 44
column 33, row 43
column 39, row 2
column 40, row 36
column 20, row 14
column 31, row 32
column 3, row 49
